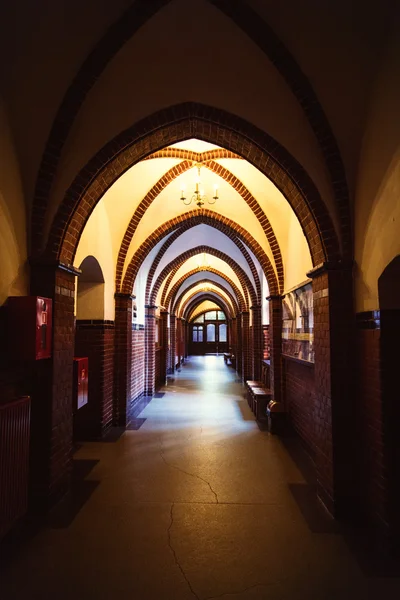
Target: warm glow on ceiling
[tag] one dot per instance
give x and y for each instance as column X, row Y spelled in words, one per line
column 194, row 145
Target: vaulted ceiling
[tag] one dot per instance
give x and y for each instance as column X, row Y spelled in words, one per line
column 250, row 226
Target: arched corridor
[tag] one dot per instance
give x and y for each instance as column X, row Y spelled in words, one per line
column 181, row 506
column 160, row 205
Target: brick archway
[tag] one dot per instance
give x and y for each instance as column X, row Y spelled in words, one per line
column 174, row 236
column 176, row 124
column 172, row 294
column 191, row 219
column 175, row 265
column 193, row 305
column 177, row 308
column 92, row 68
column 207, row 159
column 184, row 310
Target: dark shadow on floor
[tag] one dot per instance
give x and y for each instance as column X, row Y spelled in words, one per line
column 135, row 424
column 372, row 557
column 140, row 405
column 113, row 435
column 65, row 512
column 61, row 516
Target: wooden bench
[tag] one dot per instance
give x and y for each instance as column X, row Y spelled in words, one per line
column 261, row 397
column 250, row 384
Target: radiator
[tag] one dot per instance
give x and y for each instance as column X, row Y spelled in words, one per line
column 14, row 461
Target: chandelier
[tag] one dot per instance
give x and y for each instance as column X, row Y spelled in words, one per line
column 198, row 197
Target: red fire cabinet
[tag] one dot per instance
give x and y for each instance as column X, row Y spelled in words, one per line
column 81, row 381
column 29, row 327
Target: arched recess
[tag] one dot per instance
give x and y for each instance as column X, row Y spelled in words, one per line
column 191, row 219
column 174, row 266
column 222, row 172
column 176, row 306
column 90, row 292
column 172, row 294
column 191, row 120
column 113, row 40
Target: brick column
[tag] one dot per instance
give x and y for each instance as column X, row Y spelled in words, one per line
column 52, row 385
column 164, row 349
column 275, row 333
column 186, row 337
column 334, row 403
column 122, row 358
column 246, row 357
column 232, row 335
column 172, row 354
column 95, row 339
column 150, row 352
column 239, row 345
column 257, row 349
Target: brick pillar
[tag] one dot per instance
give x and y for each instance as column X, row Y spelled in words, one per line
column 51, row 408
column 150, row 351
column 239, row 345
column 172, row 354
column 95, row 339
column 334, row 403
column 257, row 349
column 186, row 338
column 275, row 336
column 232, row 335
column 246, row 358
column 164, row 348
column 122, row 358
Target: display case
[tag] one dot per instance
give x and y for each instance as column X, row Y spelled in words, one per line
column 298, row 324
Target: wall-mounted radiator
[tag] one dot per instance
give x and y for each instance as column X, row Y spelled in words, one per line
column 14, row 461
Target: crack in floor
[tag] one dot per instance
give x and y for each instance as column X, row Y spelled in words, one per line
column 178, row 564
column 190, row 475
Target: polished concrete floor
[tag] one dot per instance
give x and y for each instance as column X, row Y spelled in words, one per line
column 197, row 502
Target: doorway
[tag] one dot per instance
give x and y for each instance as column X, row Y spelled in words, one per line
column 209, row 333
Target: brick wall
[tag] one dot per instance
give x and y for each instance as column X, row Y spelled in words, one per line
column 51, row 416
column 266, row 342
column 299, row 399
column 378, row 414
column 137, row 365
column 95, row 339
column 157, row 370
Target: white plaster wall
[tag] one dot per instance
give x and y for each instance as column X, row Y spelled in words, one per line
column 96, row 241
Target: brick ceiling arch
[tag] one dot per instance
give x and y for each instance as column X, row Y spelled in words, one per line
column 191, row 219
column 227, row 176
column 197, row 157
column 178, row 301
column 214, row 296
column 174, row 236
column 189, row 310
column 175, row 265
column 191, row 120
column 265, row 38
column 174, row 290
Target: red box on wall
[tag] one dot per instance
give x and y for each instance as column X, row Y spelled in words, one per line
column 81, row 382
column 29, row 327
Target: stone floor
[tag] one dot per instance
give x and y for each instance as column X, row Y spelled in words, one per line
column 197, row 502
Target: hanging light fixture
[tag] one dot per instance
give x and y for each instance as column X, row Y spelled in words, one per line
column 198, row 197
